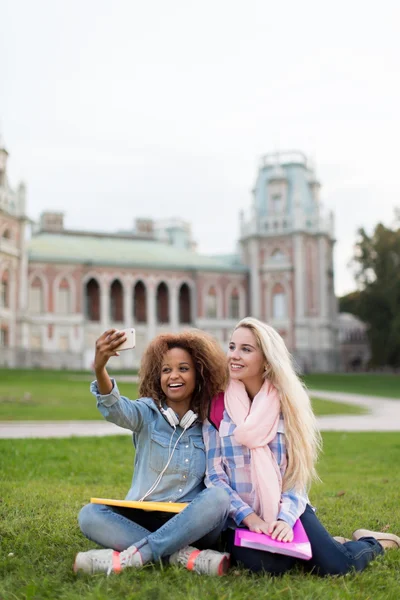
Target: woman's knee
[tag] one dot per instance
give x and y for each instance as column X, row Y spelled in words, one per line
column 89, row 517
column 218, row 499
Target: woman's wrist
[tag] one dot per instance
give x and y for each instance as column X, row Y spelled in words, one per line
column 104, row 383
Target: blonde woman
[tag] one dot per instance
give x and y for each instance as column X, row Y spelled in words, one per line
column 262, row 449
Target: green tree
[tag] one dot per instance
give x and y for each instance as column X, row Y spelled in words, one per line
column 350, row 303
column 377, row 301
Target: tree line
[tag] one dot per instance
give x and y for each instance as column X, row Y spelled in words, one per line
column 376, row 301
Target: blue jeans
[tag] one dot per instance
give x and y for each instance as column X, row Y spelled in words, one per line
column 328, row 556
column 157, row 534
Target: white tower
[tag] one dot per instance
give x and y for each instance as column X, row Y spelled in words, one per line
column 13, row 263
column 287, row 244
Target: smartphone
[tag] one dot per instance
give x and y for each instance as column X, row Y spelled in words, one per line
column 130, row 340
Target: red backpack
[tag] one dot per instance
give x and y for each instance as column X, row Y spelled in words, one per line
column 216, row 411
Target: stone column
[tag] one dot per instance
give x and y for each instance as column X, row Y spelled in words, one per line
column 255, row 305
column 23, row 289
column 299, row 273
column 151, row 310
column 173, row 305
column 105, row 303
column 323, row 282
column 193, row 303
column 128, row 303
column 23, row 271
column 12, row 298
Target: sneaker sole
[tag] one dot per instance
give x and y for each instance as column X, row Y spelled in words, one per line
column 75, row 567
column 115, row 569
column 224, row 566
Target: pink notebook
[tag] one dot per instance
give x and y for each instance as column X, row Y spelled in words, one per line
column 300, row 547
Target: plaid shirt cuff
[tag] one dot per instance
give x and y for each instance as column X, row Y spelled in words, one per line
column 242, row 514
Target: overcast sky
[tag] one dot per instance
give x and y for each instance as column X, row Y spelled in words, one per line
column 119, row 109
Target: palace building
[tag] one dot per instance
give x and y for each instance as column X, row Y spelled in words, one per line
column 60, row 289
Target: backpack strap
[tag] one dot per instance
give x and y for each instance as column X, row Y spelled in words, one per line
column 216, row 412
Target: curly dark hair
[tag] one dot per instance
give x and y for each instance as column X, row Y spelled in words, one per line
column 209, row 361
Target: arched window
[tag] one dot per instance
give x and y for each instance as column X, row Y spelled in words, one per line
column 5, row 290
column 116, row 301
column 234, row 304
column 92, row 300
column 184, row 304
column 162, row 303
column 277, row 203
column 140, row 303
column 211, row 303
column 278, row 255
column 63, row 305
column 4, row 336
column 279, row 302
column 36, row 296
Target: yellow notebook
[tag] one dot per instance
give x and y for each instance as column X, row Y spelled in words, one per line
column 173, row 507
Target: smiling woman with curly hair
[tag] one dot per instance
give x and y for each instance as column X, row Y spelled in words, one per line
column 209, row 362
column 179, row 375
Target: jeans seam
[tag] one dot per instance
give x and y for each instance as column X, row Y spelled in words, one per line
column 362, row 552
column 155, row 536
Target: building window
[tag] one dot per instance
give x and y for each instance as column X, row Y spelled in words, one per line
column 36, row 341
column 234, row 304
column 139, row 303
column 36, row 304
column 63, row 298
column 277, row 203
column 6, row 235
column 279, row 303
column 63, row 343
column 116, row 301
column 184, row 304
column 92, row 300
column 211, row 304
column 162, row 303
column 278, row 256
column 5, row 290
column 3, row 337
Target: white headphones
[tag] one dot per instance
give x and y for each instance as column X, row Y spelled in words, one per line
column 187, row 420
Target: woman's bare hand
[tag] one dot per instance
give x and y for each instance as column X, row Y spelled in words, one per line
column 106, row 347
column 281, row 531
column 256, row 524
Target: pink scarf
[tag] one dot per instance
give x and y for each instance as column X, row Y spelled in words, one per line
column 257, row 425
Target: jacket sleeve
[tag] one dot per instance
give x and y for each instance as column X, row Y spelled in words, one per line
column 217, row 476
column 129, row 414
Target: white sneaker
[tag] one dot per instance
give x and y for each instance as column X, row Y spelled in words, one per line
column 341, row 539
column 107, row 561
column 387, row 540
column 204, row 562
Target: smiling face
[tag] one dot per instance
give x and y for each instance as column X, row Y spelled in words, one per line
column 245, row 359
column 178, row 379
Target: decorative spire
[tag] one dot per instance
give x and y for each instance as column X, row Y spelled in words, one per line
column 2, row 143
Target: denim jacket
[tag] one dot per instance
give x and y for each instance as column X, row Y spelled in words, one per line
column 153, row 439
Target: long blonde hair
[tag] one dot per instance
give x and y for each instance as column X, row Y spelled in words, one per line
column 303, row 440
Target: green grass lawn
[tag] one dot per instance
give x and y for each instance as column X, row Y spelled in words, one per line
column 44, row 483
column 50, row 395
column 356, row 383
column 63, row 395
column 324, row 407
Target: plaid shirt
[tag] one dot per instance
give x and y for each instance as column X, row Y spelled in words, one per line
column 228, row 466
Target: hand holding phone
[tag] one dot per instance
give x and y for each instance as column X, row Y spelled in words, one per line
column 130, row 341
